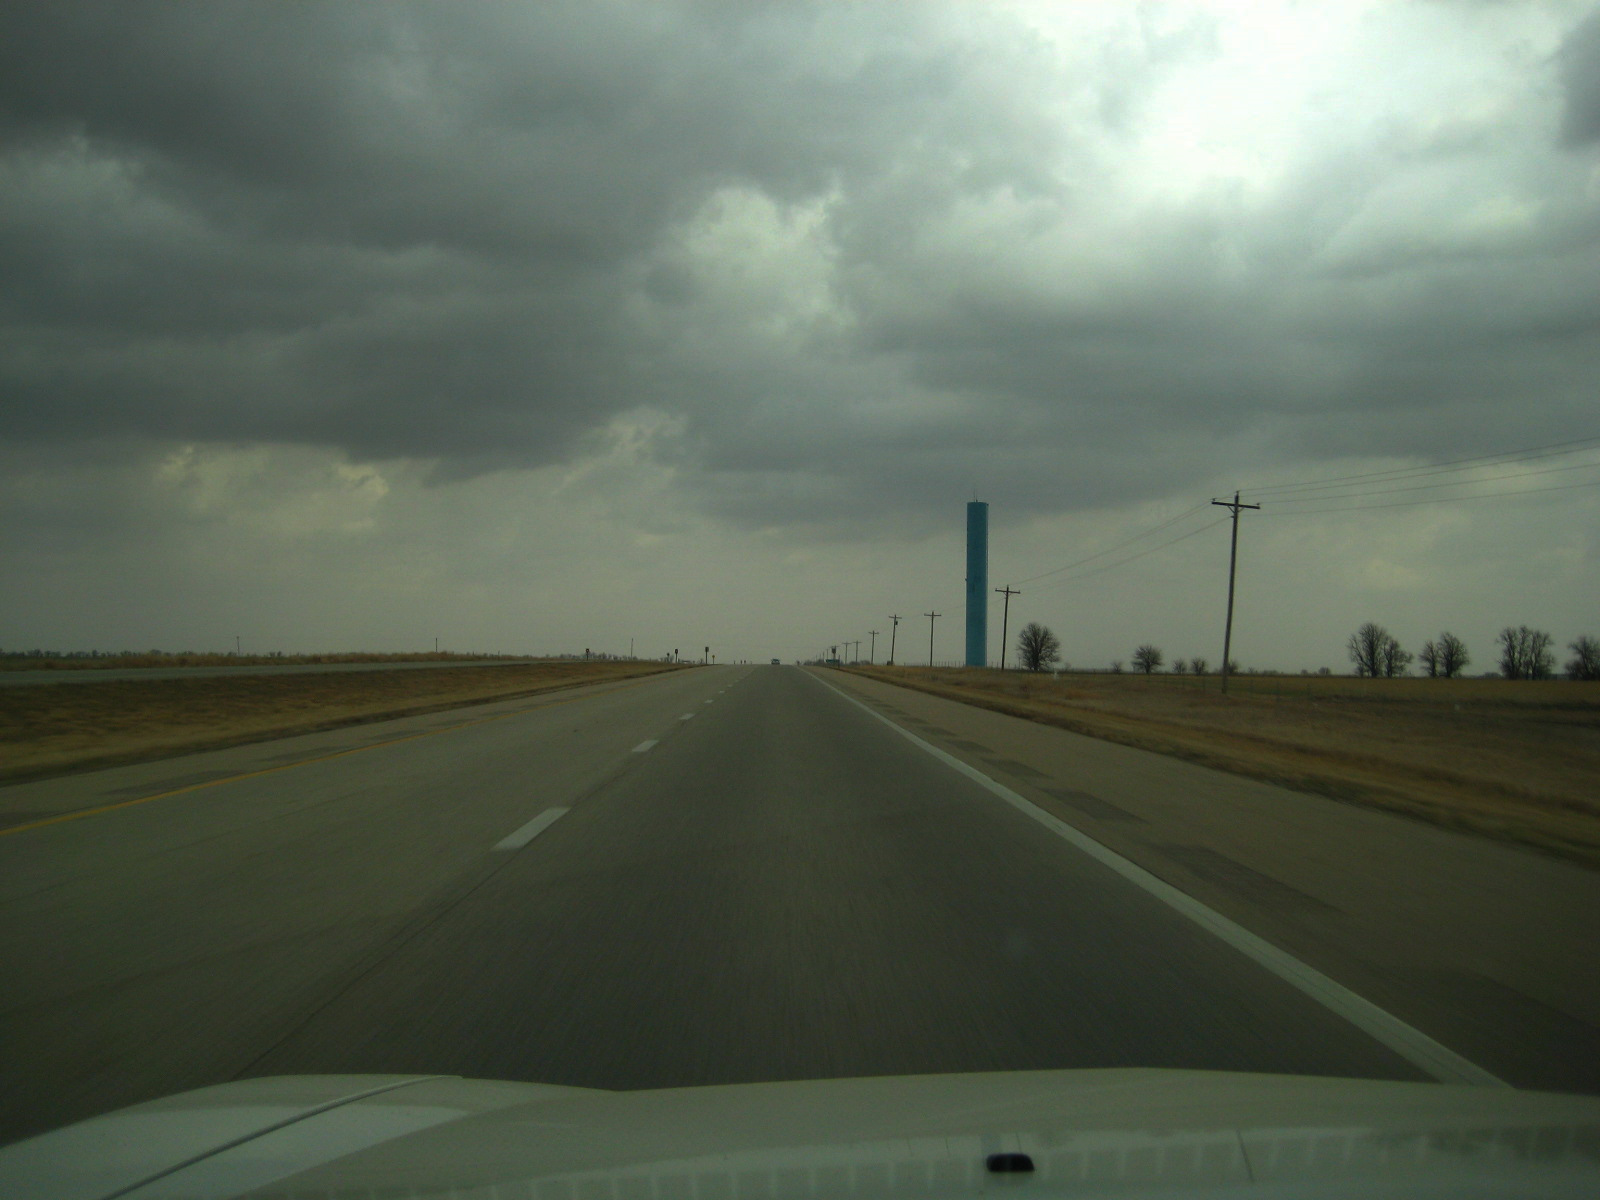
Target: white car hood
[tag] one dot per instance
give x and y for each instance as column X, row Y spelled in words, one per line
column 1085, row 1133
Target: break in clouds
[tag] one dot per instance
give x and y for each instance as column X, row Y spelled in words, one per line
column 810, row 258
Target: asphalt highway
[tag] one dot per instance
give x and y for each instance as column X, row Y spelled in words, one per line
column 723, row 875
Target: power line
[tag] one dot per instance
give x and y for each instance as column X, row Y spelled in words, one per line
column 1126, row 542
column 1182, row 537
column 1426, row 487
column 1530, row 454
column 1307, row 512
column 1392, row 474
column 1346, row 487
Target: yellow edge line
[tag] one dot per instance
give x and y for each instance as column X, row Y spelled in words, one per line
column 81, row 813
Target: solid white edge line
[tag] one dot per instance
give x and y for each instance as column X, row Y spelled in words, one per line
column 1416, row 1047
column 526, row 834
column 651, row 744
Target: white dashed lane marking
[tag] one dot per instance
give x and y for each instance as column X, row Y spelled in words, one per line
column 519, row 839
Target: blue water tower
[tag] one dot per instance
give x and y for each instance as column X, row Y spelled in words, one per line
column 977, row 584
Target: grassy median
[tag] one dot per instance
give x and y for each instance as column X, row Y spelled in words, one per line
column 1509, row 759
column 52, row 728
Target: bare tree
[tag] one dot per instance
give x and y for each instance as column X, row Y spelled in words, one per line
column 1179, row 667
column 1147, row 658
column 1525, row 653
column 1199, row 666
column 1393, row 659
column 1585, row 660
column 1037, row 647
column 1428, row 656
column 1366, row 649
column 1453, row 656
column 1116, row 666
column 1445, row 658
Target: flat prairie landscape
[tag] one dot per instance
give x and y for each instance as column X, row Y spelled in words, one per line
column 1509, row 759
column 47, row 728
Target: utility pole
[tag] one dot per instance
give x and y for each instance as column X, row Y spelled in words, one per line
column 893, row 629
column 932, row 616
column 857, row 659
column 1233, row 558
column 1005, row 615
column 872, row 648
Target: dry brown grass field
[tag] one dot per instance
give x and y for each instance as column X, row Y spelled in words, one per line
column 49, row 728
column 190, row 658
column 1508, row 759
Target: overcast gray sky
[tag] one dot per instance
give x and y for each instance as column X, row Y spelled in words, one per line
column 537, row 327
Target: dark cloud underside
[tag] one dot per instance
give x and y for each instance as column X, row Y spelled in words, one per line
column 473, row 235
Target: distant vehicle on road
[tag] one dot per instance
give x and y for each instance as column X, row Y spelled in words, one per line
column 777, row 662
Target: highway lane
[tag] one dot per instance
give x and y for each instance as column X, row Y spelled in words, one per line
column 165, row 944
column 1486, row 945
column 788, row 890
column 752, row 878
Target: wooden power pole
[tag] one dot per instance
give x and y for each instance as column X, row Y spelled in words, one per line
column 1233, row 559
column 1005, row 616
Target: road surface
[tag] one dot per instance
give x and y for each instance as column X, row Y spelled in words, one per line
column 724, row 875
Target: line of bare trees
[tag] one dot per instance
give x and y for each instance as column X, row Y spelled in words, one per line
column 1149, row 658
column 1524, row 654
column 1377, row 653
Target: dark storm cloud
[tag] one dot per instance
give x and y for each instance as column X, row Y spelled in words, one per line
column 406, row 230
column 458, row 233
column 1580, row 78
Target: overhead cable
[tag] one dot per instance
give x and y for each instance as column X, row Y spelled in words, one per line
column 1126, row 542
column 1306, row 512
column 1505, row 457
column 1182, row 537
column 1423, row 487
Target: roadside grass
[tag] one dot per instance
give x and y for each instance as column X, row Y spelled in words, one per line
column 190, row 658
column 56, row 728
column 1514, row 760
